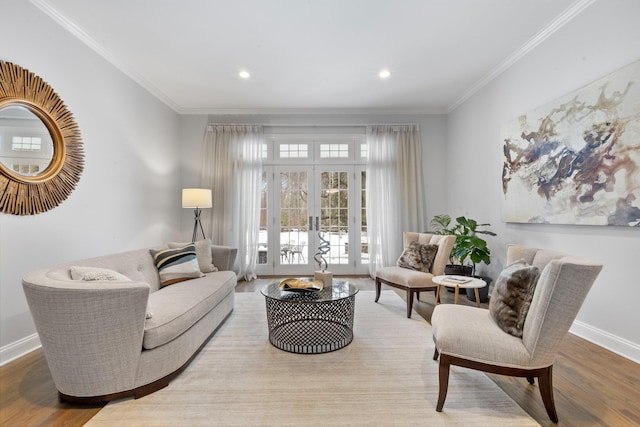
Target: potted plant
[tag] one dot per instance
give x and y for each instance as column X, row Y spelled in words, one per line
column 469, row 248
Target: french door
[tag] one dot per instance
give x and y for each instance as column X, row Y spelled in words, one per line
column 306, row 206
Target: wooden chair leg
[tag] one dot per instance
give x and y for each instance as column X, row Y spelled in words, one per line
column 378, row 286
column 546, row 391
column 445, row 364
column 409, row 302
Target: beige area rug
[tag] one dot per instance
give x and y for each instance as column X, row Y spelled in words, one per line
column 385, row 377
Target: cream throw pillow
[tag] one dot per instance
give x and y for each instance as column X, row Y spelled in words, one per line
column 203, row 254
column 96, row 273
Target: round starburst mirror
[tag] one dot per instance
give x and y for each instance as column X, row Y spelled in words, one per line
column 41, row 153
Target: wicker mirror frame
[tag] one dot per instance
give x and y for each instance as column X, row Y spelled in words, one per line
column 30, row 195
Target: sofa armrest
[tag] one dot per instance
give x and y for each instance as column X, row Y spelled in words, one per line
column 224, row 257
column 91, row 332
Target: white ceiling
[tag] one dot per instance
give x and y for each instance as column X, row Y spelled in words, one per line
column 312, row 55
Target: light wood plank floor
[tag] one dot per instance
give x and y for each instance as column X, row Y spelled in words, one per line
column 593, row 386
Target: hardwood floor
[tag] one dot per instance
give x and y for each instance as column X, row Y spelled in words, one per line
column 593, row 386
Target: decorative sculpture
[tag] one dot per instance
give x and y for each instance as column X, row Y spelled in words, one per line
column 323, row 249
column 325, row 276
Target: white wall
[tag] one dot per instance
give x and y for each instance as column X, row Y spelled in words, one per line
column 191, row 134
column 603, row 38
column 128, row 195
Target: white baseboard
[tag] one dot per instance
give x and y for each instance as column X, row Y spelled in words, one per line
column 19, row 348
column 621, row 346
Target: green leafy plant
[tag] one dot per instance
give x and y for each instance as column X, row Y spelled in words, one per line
column 468, row 245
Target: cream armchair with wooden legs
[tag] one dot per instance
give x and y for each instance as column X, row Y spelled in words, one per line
column 472, row 338
column 415, row 281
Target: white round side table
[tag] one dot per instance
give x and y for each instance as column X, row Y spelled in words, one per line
column 463, row 282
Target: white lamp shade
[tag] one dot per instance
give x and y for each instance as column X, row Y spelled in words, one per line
column 196, row 198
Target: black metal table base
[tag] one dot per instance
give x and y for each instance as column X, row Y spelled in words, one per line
column 301, row 325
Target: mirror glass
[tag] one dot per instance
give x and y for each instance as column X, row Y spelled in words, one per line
column 26, row 146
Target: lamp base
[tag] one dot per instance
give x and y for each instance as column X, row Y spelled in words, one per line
column 197, row 224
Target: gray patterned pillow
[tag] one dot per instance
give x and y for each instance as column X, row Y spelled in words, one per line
column 418, row 257
column 512, row 295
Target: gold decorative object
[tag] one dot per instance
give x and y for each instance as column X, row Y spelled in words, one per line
column 293, row 284
column 29, row 192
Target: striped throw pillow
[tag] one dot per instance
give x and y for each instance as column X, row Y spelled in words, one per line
column 176, row 265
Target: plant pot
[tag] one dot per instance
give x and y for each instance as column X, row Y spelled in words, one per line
column 457, row 270
column 483, row 293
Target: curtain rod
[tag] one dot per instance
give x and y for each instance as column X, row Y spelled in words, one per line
column 313, row 124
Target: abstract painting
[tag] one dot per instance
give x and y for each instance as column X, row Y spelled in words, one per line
column 576, row 160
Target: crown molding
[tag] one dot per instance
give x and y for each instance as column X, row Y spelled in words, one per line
column 112, row 59
column 542, row 35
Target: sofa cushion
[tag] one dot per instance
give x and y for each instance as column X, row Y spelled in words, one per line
column 418, row 257
column 180, row 306
column 176, row 265
column 477, row 335
column 203, row 254
column 512, row 295
column 406, row 277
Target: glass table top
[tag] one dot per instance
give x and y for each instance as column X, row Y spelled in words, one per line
column 340, row 289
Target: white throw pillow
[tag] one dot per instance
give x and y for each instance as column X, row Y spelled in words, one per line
column 96, row 273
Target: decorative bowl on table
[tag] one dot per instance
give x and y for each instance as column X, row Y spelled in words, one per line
column 300, row 285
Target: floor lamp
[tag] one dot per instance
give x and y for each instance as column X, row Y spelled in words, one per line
column 196, row 198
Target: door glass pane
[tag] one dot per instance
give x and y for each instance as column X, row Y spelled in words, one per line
column 294, row 189
column 263, row 238
column 364, row 236
column 364, row 150
column 328, row 151
column 291, row 151
column 334, row 207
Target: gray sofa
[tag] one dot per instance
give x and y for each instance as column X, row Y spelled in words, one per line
column 97, row 336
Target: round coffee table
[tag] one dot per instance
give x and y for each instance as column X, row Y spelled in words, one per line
column 459, row 282
column 310, row 322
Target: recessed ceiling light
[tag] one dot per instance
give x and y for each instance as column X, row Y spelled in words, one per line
column 384, row 74
column 244, row 74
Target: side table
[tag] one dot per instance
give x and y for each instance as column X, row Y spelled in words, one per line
column 470, row 282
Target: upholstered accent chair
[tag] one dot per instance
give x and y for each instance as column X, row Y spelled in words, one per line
column 470, row 337
column 414, row 281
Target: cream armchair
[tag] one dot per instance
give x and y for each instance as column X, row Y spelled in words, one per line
column 413, row 281
column 469, row 336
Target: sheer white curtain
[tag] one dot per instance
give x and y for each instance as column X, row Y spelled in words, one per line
column 232, row 168
column 395, row 190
